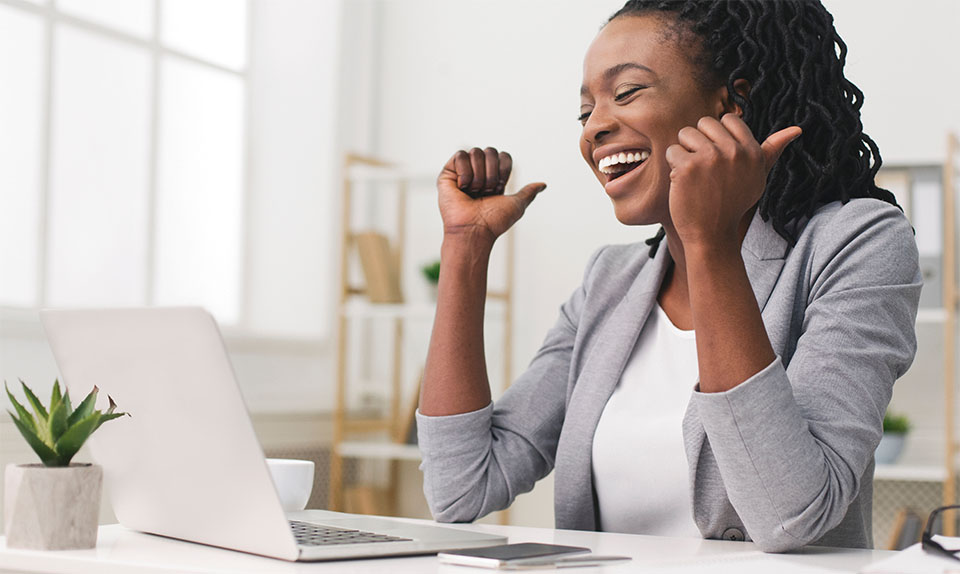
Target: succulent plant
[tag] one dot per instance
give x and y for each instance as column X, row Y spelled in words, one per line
column 58, row 433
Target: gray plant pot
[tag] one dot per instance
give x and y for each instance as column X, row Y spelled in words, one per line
column 888, row 451
column 52, row 508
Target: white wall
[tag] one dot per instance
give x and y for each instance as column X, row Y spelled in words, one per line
column 904, row 55
column 289, row 286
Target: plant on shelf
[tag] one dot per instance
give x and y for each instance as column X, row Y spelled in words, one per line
column 895, row 428
column 895, row 423
column 431, row 271
column 54, row 505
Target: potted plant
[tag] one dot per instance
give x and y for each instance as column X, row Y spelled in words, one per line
column 895, row 428
column 431, row 271
column 54, row 505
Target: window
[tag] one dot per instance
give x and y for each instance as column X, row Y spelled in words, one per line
column 123, row 133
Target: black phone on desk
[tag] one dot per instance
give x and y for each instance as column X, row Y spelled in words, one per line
column 510, row 555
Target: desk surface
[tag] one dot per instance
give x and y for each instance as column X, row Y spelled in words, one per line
column 121, row 550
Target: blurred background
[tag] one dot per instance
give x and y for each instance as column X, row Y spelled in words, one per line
column 200, row 152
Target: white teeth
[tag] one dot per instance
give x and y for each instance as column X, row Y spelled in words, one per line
column 619, row 158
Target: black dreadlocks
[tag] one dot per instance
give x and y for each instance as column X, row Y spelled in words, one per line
column 792, row 56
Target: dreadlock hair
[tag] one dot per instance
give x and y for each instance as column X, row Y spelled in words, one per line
column 792, row 57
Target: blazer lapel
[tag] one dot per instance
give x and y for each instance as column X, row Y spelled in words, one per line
column 600, row 375
column 763, row 253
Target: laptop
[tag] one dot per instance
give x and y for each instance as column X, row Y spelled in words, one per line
column 186, row 464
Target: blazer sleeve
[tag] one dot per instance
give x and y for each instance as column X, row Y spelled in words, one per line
column 478, row 462
column 792, row 442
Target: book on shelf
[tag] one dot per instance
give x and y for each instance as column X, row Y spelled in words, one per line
column 379, row 268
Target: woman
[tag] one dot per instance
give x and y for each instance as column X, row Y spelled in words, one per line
column 731, row 382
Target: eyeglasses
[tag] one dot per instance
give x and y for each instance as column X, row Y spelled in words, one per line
column 931, row 545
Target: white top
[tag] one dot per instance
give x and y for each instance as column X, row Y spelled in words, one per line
column 639, row 467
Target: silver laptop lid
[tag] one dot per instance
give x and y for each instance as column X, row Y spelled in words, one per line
column 189, row 443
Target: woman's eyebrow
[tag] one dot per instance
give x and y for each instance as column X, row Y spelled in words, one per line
column 614, row 71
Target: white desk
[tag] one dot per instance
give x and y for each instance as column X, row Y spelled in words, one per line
column 120, row 550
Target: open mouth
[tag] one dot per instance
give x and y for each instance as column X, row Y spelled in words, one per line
column 618, row 164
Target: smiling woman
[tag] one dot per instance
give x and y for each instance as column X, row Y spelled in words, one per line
column 733, row 384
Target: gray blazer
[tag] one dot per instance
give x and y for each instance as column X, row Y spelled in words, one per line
column 784, row 459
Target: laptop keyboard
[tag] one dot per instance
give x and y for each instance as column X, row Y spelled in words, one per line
column 308, row 534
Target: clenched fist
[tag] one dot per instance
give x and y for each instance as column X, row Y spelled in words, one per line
column 471, row 194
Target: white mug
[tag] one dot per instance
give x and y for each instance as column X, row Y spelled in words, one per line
column 293, row 480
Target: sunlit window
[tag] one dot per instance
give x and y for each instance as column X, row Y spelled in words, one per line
column 21, row 121
column 123, row 136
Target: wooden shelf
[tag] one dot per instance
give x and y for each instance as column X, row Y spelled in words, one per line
column 379, row 450
column 910, row 473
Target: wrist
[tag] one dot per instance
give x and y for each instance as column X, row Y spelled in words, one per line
column 473, row 242
column 711, row 255
column 463, row 259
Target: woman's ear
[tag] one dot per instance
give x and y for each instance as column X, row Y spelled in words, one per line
column 742, row 87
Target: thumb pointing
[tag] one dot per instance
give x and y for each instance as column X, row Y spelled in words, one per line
column 528, row 192
column 774, row 145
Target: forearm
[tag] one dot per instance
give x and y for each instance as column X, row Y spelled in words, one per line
column 732, row 343
column 455, row 377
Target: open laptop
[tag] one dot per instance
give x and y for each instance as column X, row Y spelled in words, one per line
column 186, row 464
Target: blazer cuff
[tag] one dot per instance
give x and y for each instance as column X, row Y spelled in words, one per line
column 453, row 433
column 761, row 443
column 764, row 395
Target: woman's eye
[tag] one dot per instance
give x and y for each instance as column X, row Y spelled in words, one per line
column 627, row 93
column 584, row 117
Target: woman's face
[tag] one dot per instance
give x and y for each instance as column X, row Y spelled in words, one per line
column 639, row 89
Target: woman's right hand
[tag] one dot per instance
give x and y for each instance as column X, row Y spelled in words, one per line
column 472, row 202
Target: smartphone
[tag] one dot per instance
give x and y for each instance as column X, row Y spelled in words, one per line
column 509, row 555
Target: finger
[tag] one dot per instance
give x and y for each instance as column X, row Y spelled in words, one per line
column 506, row 165
column 492, row 161
column 527, row 194
column 693, row 139
column 479, row 171
column 464, row 171
column 713, row 129
column 677, row 155
column 774, row 145
column 738, row 129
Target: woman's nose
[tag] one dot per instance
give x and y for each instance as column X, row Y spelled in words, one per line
column 599, row 125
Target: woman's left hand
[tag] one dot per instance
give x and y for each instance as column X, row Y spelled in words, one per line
column 718, row 172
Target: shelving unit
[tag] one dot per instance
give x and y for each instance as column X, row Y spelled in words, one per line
column 377, row 436
column 905, row 484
